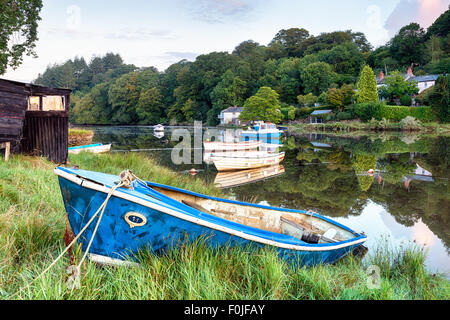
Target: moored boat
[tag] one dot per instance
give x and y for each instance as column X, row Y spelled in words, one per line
column 262, row 131
column 228, row 161
column 231, row 146
column 158, row 128
column 157, row 217
column 94, row 148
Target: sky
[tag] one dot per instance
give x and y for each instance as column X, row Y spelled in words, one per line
column 159, row 33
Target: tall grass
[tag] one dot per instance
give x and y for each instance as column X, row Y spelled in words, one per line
column 32, row 224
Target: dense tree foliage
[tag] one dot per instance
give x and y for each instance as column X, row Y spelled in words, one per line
column 367, row 86
column 302, row 69
column 18, row 31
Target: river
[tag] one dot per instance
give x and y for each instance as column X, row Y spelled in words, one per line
column 405, row 200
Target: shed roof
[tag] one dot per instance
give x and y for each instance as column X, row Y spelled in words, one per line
column 316, row 112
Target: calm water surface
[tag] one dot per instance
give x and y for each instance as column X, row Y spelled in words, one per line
column 406, row 199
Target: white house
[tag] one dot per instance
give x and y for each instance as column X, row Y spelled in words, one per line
column 423, row 82
column 230, row 116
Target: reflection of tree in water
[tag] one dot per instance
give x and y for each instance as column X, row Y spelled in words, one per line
column 362, row 163
column 328, row 180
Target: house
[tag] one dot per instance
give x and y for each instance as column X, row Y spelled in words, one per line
column 317, row 116
column 423, row 82
column 35, row 119
column 230, row 116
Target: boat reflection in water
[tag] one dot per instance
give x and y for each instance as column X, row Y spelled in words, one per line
column 158, row 134
column 238, row 178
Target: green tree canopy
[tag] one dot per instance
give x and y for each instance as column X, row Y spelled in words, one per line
column 367, row 86
column 264, row 105
column 18, row 31
column 395, row 86
column 317, row 77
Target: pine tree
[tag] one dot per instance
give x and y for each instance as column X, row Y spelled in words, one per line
column 367, row 86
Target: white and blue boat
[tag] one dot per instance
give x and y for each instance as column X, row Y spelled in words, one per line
column 157, row 217
column 265, row 132
column 94, row 148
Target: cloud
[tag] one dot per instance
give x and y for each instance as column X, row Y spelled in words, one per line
column 121, row 34
column 219, row 11
column 182, row 55
column 424, row 12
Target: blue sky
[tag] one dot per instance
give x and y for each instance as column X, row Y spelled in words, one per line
column 159, row 33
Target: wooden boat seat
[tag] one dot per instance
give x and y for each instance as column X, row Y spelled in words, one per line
column 196, row 206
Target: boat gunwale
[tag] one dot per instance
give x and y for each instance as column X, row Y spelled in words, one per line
column 230, row 155
column 185, row 215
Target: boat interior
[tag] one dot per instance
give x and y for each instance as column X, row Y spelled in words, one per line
column 304, row 226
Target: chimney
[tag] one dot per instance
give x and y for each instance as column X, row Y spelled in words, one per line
column 409, row 73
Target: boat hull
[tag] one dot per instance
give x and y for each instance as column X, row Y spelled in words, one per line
column 93, row 149
column 230, row 146
column 167, row 227
column 225, row 163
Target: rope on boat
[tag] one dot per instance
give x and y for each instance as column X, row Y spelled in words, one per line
column 126, row 180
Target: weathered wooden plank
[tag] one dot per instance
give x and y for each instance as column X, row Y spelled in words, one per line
column 12, row 132
column 14, row 96
column 46, row 114
column 11, row 121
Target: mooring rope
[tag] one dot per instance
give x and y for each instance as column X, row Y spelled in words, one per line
column 126, row 180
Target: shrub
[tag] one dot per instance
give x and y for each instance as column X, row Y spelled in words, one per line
column 367, row 111
column 303, row 112
column 406, row 100
column 343, row 116
column 410, row 123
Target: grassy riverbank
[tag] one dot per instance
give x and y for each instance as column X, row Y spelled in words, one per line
column 32, row 224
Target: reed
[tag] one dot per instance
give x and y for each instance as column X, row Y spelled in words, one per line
column 32, row 224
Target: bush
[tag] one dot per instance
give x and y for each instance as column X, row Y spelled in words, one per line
column 303, row 112
column 378, row 111
column 344, row 116
column 410, row 123
column 406, row 100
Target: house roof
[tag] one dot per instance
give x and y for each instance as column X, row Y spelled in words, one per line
column 233, row 109
column 424, row 78
column 316, row 112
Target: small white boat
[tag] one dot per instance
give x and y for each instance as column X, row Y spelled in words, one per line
column 158, row 128
column 231, row 146
column 94, row 148
column 229, row 161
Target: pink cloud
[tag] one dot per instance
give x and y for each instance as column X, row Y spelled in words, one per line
column 424, row 12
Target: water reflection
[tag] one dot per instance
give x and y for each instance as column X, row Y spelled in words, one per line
column 405, row 196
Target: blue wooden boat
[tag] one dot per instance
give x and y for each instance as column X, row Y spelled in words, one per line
column 155, row 216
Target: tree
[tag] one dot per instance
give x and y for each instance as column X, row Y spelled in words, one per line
column 18, row 31
column 336, row 98
column 123, row 95
column 317, row 77
column 440, row 98
column 395, row 86
column 149, row 108
column 229, row 92
column 292, row 41
column 441, row 26
column 264, row 105
column 408, row 46
column 307, row 100
column 367, row 86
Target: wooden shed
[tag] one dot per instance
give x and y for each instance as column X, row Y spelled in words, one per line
column 35, row 119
